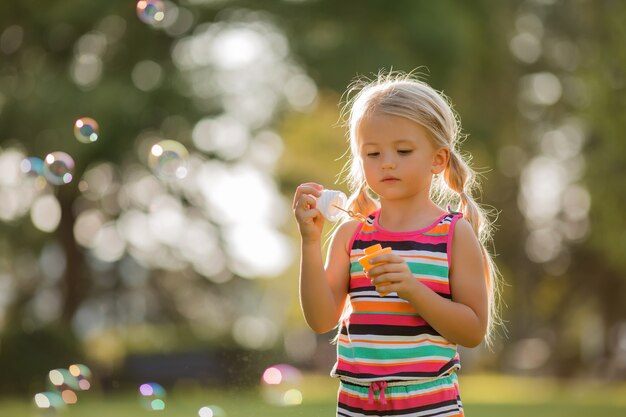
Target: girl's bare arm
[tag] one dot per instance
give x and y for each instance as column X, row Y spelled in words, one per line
column 323, row 288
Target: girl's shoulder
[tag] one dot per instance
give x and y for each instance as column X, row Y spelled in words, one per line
column 345, row 233
column 463, row 236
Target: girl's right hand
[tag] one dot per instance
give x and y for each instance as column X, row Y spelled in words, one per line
column 310, row 220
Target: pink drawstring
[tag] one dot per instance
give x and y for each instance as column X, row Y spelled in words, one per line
column 377, row 386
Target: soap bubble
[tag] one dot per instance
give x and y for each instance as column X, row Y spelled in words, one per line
column 58, row 168
column 82, row 374
column 69, row 397
column 86, row 130
column 32, row 166
column 62, row 378
column 281, row 385
column 211, row 411
column 168, row 159
column 152, row 396
column 151, row 11
column 49, row 400
column 65, row 384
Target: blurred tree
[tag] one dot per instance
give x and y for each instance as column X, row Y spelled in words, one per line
column 601, row 265
column 569, row 55
column 126, row 247
column 537, row 84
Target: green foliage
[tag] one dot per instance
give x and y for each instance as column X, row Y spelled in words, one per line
column 606, row 150
column 461, row 48
column 314, row 146
column 26, row 357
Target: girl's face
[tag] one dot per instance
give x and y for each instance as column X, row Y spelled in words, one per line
column 397, row 156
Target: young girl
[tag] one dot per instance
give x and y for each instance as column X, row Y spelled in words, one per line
column 400, row 323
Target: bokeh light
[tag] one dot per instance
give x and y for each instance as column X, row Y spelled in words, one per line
column 211, row 411
column 151, row 11
column 280, row 385
column 542, row 89
column 300, row 344
column 58, row 168
column 86, row 130
column 255, row 332
column 168, row 159
column 45, row 213
column 87, row 66
column 152, row 396
column 147, row 75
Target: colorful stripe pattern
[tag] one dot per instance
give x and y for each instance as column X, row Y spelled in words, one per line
column 383, row 338
column 439, row 397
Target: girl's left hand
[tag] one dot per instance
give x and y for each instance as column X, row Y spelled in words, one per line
column 393, row 275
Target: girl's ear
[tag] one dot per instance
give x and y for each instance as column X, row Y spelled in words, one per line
column 440, row 160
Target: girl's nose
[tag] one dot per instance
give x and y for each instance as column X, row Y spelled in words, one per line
column 388, row 163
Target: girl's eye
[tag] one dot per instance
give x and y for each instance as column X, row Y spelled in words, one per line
column 373, row 154
column 404, row 151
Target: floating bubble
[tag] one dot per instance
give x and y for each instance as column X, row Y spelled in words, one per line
column 86, row 130
column 168, row 159
column 292, row 397
column 152, row 396
column 281, row 385
column 58, row 168
column 211, row 411
column 61, row 378
column 82, row 373
column 32, row 166
column 151, row 11
column 64, row 383
column 69, row 397
column 49, row 400
column 157, row 404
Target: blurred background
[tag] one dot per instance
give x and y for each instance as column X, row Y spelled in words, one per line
column 149, row 152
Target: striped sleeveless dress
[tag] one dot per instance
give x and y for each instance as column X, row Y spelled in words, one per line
column 390, row 361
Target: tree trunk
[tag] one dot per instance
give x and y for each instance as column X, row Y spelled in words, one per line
column 75, row 274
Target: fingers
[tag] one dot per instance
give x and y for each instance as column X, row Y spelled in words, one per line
column 384, row 288
column 387, row 263
column 304, row 204
column 387, row 279
column 308, row 189
column 387, row 258
column 391, row 275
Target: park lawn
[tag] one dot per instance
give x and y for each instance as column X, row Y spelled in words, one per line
column 483, row 396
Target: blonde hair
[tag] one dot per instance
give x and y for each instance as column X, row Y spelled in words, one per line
column 404, row 95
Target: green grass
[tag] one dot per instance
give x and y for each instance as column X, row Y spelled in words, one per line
column 487, row 396
column 483, row 396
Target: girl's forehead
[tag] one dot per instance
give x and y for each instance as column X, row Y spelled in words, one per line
column 383, row 125
column 386, row 121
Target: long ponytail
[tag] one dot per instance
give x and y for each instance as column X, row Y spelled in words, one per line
column 460, row 178
column 360, row 202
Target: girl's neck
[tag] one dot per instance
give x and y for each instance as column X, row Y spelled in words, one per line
column 406, row 215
